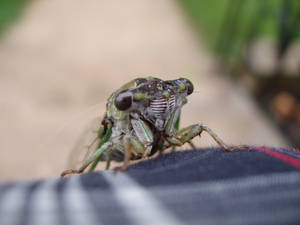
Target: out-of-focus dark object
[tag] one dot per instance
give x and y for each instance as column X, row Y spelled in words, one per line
column 275, row 68
column 259, row 43
column 204, row 186
column 286, row 110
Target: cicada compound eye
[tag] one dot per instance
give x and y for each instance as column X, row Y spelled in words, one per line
column 123, row 100
column 189, row 85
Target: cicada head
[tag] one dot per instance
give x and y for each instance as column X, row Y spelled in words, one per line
column 154, row 99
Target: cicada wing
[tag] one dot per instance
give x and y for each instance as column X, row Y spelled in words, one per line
column 86, row 144
column 75, row 139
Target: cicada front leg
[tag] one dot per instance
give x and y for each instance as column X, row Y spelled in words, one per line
column 140, row 144
column 97, row 154
column 172, row 129
column 131, row 147
column 187, row 134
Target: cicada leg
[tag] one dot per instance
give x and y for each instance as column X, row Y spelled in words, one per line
column 191, row 144
column 108, row 160
column 132, row 146
column 187, row 134
column 105, row 147
column 176, row 125
column 173, row 128
column 220, row 142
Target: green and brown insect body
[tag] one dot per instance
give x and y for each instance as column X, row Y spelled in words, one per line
column 147, row 111
column 142, row 117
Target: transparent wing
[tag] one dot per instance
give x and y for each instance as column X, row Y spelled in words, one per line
column 86, row 144
column 76, row 139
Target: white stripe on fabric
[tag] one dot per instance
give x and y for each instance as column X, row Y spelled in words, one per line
column 12, row 205
column 138, row 203
column 224, row 190
column 240, row 183
column 77, row 207
column 44, row 205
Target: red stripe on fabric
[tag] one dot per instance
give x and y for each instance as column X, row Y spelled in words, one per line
column 286, row 158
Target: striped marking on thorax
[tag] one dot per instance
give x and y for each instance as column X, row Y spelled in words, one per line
column 162, row 105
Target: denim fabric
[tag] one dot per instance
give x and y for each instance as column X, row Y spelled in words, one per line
column 205, row 186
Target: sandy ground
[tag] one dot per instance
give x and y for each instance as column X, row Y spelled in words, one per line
column 64, row 56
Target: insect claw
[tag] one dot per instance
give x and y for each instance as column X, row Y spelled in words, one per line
column 237, row 148
column 120, row 169
column 67, row 172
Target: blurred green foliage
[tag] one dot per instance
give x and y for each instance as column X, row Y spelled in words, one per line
column 229, row 25
column 9, row 12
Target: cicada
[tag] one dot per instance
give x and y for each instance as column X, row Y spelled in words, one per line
column 142, row 118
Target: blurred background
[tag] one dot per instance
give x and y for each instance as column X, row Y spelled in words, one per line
column 61, row 59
